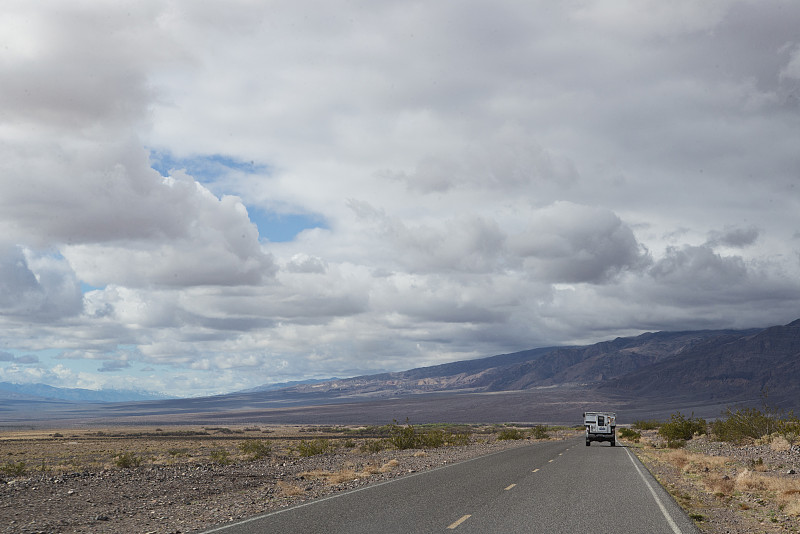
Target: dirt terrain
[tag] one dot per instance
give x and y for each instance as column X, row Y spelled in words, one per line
column 188, row 479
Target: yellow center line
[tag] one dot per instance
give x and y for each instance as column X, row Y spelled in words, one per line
column 456, row 523
column 535, row 470
column 549, row 461
column 511, row 486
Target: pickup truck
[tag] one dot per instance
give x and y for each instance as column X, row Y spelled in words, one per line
column 600, row 426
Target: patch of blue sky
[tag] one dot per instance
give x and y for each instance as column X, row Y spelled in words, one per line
column 283, row 227
column 85, row 288
column 34, row 358
column 272, row 226
column 203, row 168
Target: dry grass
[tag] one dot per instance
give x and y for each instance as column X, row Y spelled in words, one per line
column 784, row 491
column 289, row 490
column 692, row 462
column 779, row 443
column 349, row 474
column 333, row 477
column 792, row 505
column 388, row 466
column 720, row 485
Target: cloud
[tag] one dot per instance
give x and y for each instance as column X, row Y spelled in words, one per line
column 645, row 19
column 509, row 160
column 76, row 175
column 464, row 179
column 466, row 244
column 38, row 288
column 710, row 284
column 303, row 263
column 217, row 245
column 111, row 367
column 734, row 237
column 568, row 243
column 24, row 359
column 700, row 268
column 80, row 67
column 792, row 68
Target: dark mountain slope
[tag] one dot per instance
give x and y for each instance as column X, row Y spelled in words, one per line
column 523, row 370
column 598, row 362
column 729, row 367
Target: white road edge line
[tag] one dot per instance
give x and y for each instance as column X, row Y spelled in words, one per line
column 671, row 523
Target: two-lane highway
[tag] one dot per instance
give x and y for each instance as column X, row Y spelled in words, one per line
column 558, row 487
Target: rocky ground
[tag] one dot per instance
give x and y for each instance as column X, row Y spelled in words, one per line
column 727, row 488
column 191, row 497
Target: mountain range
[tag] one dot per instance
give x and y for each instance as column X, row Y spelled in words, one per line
column 683, row 364
column 647, row 375
column 21, row 392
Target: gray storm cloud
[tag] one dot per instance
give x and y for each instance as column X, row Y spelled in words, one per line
column 492, row 176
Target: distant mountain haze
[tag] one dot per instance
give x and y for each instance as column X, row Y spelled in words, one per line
column 43, row 391
column 650, row 374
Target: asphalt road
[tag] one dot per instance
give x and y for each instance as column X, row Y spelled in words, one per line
column 548, row 487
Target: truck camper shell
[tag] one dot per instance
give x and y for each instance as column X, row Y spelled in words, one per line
column 600, row 426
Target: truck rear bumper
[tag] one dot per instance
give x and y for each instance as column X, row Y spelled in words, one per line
column 601, row 437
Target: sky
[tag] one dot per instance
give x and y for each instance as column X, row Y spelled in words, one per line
column 203, row 197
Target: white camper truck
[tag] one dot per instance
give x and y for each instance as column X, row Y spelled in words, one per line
column 600, row 426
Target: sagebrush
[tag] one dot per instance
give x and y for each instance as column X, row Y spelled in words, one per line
column 510, row 433
column 256, row 448
column 630, row 434
column 744, row 424
column 408, row 436
column 681, row 428
column 127, row 460
column 314, row 447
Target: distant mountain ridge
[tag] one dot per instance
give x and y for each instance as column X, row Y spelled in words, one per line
column 590, row 366
column 284, row 385
column 764, row 362
column 22, row 392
